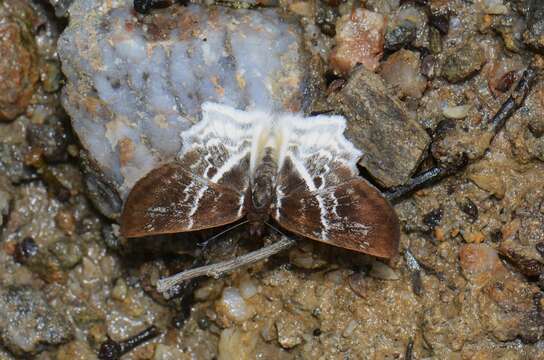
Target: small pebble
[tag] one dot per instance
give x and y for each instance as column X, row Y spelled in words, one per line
column 233, row 305
column 19, row 61
column 433, row 218
column 66, row 222
column 27, row 248
column 381, row 271
column 350, row 328
column 359, row 39
column 402, row 71
column 456, row 112
column 248, row 288
column 463, row 62
column 120, row 290
column 480, row 263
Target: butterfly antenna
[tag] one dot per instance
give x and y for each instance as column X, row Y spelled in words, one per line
column 207, row 241
column 276, row 229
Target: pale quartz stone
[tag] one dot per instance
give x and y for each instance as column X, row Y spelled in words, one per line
column 233, row 305
column 134, row 82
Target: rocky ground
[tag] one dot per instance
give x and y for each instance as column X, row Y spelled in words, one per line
column 419, row 82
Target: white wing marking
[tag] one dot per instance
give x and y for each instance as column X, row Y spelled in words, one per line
column 299, row 166
column 322, row 158
column 219, row 142
column 226, row 146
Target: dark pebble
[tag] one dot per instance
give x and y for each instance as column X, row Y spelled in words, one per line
column 326, row 19
column 496, row 235
column 444, row 127
column 469, row 208
column 400, row 36
column 417, row 283
column 50, row 138
column 25, row 250
column 527, row 266
column 440, row 23
column 432, row 219
column 203, row 322
column 110, row 350
column 540, row 248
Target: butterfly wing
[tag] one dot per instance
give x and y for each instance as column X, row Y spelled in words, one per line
column 170, row 199
column 316, row 155
column 319, row 194
column 352, row 215
column 205, row 188
column 218, row 148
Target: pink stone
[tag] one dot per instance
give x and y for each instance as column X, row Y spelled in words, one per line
column 359, row 39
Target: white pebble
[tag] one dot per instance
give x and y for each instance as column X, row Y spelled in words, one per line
column 234, row 306
column 248, row 288
column 456, row 112
column 350, row 328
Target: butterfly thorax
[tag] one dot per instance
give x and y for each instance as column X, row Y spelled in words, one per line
column 261, row 191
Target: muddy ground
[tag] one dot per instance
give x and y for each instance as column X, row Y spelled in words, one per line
column 469, row 279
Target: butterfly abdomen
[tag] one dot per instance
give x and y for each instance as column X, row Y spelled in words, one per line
column 262, row 189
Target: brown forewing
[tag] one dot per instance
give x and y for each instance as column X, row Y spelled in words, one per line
column 170, row 200
column 352, row 215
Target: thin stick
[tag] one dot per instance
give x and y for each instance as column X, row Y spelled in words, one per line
column 218, row 269
column 515, row 100
column 420, row 181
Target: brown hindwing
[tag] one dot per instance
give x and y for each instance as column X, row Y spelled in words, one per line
column 170, row 200
column 352, row 215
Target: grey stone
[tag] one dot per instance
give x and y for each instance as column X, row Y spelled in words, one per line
column 28, row 323
column 463, row 62
column 12, row 144
column 393, row 144
column 400, row 35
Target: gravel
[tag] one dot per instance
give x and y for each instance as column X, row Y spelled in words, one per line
column 28, row 322
column 469, row 283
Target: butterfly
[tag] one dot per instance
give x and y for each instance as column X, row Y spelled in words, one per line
column 297, row 172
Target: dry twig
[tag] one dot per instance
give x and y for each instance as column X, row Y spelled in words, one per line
column 218, row 269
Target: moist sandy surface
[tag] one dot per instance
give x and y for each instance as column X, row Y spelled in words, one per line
column 469, row 277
